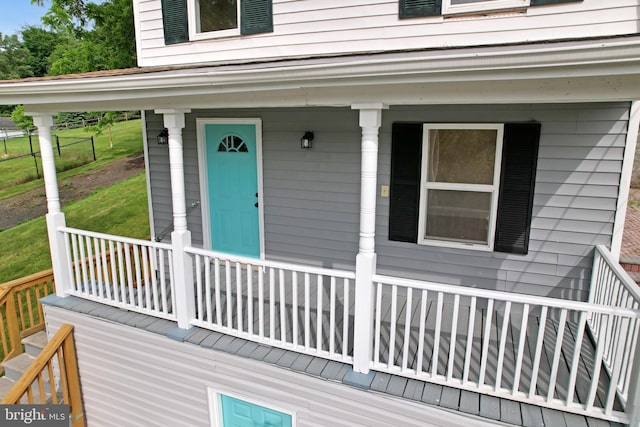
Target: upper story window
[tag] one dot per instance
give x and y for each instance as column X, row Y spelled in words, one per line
column 416, row 8
column 215, row 17
column 185, row 20
column 467, row 6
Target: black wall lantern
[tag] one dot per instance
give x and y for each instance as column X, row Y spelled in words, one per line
column 163, row 137
column 307, row 140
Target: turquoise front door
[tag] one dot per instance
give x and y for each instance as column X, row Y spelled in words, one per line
column 233, row 188
column 238, row 413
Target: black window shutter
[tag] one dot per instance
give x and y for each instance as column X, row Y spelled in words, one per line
column 414, row 8
column 174, row 20
column 515, row 203
column 256, row 16
column 406, row 153
column 541, row 2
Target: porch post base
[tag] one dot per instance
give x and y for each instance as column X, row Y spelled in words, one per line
column 58, row 248
column 183, row 270
column 363, row 314
column 356, row 379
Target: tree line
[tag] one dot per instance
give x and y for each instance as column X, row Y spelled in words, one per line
column 76, row 36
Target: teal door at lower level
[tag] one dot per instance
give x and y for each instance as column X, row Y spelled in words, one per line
column 233, row 188
column 238, row 413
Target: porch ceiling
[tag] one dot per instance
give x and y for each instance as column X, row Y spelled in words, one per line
column 587, row 70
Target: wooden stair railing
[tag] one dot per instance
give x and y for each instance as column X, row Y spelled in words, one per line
column 20, row 312
column 31, row 387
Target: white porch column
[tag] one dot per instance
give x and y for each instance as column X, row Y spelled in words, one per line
column 54, row 218
column 370, row 121
column 181, row 236
column 625, row 178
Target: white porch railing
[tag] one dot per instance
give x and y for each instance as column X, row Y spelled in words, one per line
column 295, row 307
column 612, row 287
column 128, row 273
column 519, row 347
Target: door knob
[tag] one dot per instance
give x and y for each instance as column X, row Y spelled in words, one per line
column 256, row 205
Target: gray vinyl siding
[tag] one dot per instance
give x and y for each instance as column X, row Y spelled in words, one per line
column 312, row 200
column 576, row 190
column 132, row 377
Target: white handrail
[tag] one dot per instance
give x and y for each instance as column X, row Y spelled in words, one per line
column 120, row 239
column 506, row 296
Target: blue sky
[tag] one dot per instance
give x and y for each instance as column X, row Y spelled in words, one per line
column 20, row 13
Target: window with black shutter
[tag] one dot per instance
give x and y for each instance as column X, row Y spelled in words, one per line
column 186, row 20
column 463, row 185
column 416, row 8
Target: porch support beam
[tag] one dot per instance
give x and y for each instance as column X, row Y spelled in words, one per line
column 625, row 178
column 54, row 217
column 370, row 121
column 181, row 236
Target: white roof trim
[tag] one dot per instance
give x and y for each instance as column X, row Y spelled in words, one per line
column 611, row 59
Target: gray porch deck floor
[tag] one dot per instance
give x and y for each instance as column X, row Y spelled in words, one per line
column 472, row 403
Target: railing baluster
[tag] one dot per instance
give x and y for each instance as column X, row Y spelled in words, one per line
column 146, row 274
column 436, row 336
column 163, row 281
column 332, row 317
column 319, row 313
column 407, row 330
column 105, row 267
column 485, row 344
column 307, row 312
column 239, row 298
column 250, row 299
column 113, row 272
column 229, row 306
column 377, row 336
column 77, row 268
column 503, row 343
column 454, row 331
column 392, row 330
column 139, row 284
column 421, row 336
column 469, row 348
column 272, row 306
column 206, row 263
column 557, row 352
column 261, row 272
column 127, row 257
column 345, row 318
column 294, row 308
column 83, row 259
column 121, row 273
column 538, row 352
column 595, row 377
column 520, row 354
column 92, row 265
column 200, row 313
column 283, row 307
column 153, row 267
column 217, row 285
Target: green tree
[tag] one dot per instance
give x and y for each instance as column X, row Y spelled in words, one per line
column 14, row 59
column 106, row 121
column 23, row 122
column 41, row 44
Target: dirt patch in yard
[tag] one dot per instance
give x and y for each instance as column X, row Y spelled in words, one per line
column 33, row 203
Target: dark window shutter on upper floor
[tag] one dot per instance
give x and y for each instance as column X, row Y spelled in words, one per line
column 406, row 153
column 415, row 8
column 541, row 2
column 256, row 16
column 174, row 21
column 515, row 203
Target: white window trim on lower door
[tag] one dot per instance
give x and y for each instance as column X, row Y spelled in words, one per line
column 481, row 6
column 494, row 189
column 203, row 175
column 215, row 405
column 194, row 18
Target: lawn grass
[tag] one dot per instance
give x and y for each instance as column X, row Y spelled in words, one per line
column 120, row 209
column 19, row 175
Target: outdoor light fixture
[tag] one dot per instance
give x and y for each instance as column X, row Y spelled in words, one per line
column 307, row 140
column 163, row 137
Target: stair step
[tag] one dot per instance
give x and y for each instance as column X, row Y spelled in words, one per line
column 33, row 344
column 5, row 385
column 14, row 368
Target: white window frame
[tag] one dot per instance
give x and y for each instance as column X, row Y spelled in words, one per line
column 215, row 405
column 494, row 188
column 193, row 16
column 482, row 6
